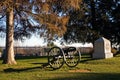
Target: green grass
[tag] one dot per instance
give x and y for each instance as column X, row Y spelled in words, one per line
column 32, row 69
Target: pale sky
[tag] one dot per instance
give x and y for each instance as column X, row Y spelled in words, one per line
column 2, row 41
column 35, row 41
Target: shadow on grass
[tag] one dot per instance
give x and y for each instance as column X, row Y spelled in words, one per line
column 30, row 57
column 20, row 70
column 89, row 76
column 74, row 75
column 44, row 66
column 85, row 60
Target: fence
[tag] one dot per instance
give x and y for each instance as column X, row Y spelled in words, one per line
column 42, row 51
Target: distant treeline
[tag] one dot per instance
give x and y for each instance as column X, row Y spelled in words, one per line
column 41, row 51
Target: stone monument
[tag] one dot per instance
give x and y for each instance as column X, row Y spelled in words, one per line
column 102, row 49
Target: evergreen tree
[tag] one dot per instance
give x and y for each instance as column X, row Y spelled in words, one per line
column 26, row 16
column 95, row 19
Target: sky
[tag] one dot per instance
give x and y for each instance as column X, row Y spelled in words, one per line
column 35, row 41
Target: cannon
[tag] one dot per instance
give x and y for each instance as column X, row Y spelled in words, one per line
column 58, row 56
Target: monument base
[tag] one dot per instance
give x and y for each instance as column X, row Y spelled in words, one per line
column 102, row 56
column 108, row 55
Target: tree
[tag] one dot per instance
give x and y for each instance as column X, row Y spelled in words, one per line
column 107, row 23
column 26, row 16
column 95, row 19
column 81, row 26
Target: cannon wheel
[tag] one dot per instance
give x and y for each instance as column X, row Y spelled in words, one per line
column 56, row 57
column 72, row 57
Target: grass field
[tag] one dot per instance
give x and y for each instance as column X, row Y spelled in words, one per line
column 88, row 69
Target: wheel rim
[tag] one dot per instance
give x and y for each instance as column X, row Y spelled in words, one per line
column 72, row 57
column 55, row 58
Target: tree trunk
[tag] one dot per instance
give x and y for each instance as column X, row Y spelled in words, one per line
column 9, row 50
